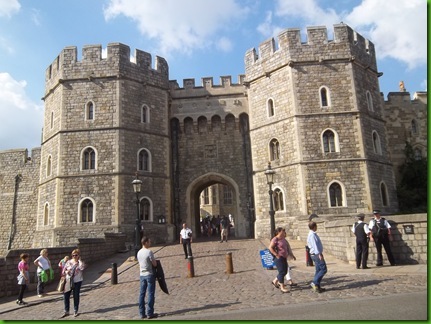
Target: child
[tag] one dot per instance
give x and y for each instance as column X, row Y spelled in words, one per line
column 23, row 277
column 62, row 263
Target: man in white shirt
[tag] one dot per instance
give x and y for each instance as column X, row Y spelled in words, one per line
column 381, row 235
column 186, row 237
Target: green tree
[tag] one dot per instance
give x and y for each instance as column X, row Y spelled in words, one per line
column 412, row 187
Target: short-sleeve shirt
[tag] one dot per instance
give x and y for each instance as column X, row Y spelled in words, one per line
column 145, row 258
column 43, row 264
column 22, row 266
column 280, row 246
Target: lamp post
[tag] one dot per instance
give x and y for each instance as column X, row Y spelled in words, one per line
column 137, row 189
column 270, row 180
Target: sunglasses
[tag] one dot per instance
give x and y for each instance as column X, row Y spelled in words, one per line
column 74, row 255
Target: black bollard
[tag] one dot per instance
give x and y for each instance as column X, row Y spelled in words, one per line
column 114, row 276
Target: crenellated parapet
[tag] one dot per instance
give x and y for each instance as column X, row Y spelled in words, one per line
column 117, row 64
column 347, row 45
column 206, row 83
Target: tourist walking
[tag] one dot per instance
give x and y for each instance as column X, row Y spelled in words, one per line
column 73, row 271
column 43, row 266
column 316, row 253
column 147, row 279
column 23, row 277
column 279, row 249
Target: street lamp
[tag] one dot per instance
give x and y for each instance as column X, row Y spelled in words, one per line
column 137, row 189
column 270, row 181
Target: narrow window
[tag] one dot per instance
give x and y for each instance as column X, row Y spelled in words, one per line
column 278, row 200
column 369, row 101
column 384, row 194
column 87, row 211
column 335, row 195
column 227, row 195
column 206, row 196
column 90, row 111
column 214, row 194
column 270, row 107
column 274, row 150
column 324, row 97
column 414, row 127
column 144, row 160
column 145, row 114
column 145, row 209
column 328, row 141
column 48, row 166
column 376, row 143
column 89, row 162
column 46, row 214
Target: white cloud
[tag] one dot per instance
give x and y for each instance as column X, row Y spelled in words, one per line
column 22, row 117
column 180, row 26
column 9, row 7
column 398, row 30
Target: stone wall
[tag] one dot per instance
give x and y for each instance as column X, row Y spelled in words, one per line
column 92, row 250
column 339, row 241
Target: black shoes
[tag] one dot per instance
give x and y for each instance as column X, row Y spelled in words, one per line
column 155, row 315
column 366, row 267
column 21, row 302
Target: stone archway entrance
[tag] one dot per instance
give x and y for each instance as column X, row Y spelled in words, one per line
column 193, row 201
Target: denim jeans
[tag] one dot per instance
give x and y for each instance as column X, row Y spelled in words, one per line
column 281, row 264
column 320, row 269
column 147, row 283
column 76, row 291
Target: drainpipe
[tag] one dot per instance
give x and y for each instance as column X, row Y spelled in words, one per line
column 18, row 178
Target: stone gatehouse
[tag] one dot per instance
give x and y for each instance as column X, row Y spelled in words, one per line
column 314, row 110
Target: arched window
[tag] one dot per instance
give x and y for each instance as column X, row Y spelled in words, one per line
column 86, row 211
column 144, row 160
column 270, row 107
column 202, row 125
column 369, row 101
column 324, row 95
column 336, row 195
column 376, row 143
column 415, row 130
column 384, row 194
column 48, row 166
column 188, row 125
column 330, row 141
column 418, row 154
column 46, row 214
column 214, row 194
column 89, row 159
column 145, row 114
column 89, row 111
column 278, row 200
column 145, row 210
column 274, row 150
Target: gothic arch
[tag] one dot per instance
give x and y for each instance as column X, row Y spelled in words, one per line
column 192, row 217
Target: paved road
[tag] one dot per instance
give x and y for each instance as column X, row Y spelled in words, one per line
column 213, row 292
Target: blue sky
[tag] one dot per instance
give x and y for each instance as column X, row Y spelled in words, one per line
column 203, row 38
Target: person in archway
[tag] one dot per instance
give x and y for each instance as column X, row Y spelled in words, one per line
column 186, row 237
column 224, row 227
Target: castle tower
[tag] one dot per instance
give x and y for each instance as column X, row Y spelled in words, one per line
column 316, row 114
column 105, row 120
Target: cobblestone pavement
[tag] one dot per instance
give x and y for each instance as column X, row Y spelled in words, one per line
column 212, row 290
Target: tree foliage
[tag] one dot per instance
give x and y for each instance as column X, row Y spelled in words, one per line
column 412, row 187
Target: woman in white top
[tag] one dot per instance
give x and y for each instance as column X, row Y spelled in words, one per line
column 43, row 264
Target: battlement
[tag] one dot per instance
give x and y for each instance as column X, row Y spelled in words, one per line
column 207, row 82
column 118, row 58
column 318, row 47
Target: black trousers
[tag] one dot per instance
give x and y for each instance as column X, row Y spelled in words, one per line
column 187, row 246
column 361, row 253
column 21, row 292
column 384, row 240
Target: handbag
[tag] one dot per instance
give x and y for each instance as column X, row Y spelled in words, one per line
column 72, row 283
column 61, row 284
